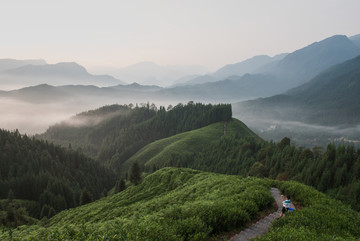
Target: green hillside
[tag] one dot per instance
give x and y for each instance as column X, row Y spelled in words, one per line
column 184, row 204
column 170, row 204
column 175, row 150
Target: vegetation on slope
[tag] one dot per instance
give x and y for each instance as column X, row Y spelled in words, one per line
column 335, row 172
column 51, row 176
column 189, row 149
column 170, row 204
column 321, row 217
column 185, row 204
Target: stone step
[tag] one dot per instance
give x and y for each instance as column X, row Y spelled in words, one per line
column 262, row 226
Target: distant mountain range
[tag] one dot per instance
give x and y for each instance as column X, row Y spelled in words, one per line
column 286, row 70
column 29, row 74
column 248, row 66
column 149, row 73
column 331, row 98
column 229, row 90
column 6, row 64
column 277, row 75
column 304, row 64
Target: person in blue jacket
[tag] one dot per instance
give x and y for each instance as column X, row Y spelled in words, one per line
column 286, row 204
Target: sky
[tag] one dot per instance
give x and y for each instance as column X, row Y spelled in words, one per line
column 211, row 33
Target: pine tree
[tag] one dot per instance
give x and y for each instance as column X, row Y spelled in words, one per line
column 120, row 186
column 45, row 211
column 51, row 213
column 85, row 197
column 154, row 169
column 11, row 196
column 135, row 174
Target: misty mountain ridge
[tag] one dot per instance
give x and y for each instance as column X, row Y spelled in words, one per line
column 54, row 74
column 290, row 70
column 356, row 39
column 233, row 89
column 331, row 98
column 84, row 94
column 233, row 71
column 149, row 73
column 287, row 70
column 302, row 65
column 137, row 87
column 200, row 79
column 230, row 90
column 6, row 64
column 248, row 66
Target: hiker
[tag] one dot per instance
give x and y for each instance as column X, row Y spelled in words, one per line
column 286, row 204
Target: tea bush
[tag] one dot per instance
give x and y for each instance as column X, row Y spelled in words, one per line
column 170, row 204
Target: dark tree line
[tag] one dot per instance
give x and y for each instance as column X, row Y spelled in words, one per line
column 52, row 176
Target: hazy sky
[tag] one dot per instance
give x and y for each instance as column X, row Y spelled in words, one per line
column 211, row 33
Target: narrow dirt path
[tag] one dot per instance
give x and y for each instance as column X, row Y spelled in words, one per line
column 262, row 226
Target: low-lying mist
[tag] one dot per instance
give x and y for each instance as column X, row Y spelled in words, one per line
column 31, row 118
column 35, row 118
column 302, row 134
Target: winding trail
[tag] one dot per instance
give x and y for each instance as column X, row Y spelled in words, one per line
column 262, row 226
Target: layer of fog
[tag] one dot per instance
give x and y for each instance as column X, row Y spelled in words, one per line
column 36, row 118
column 302, row 134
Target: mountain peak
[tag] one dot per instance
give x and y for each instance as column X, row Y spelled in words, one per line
column 6, row 64
column 247, row 66
column 336, row 39
column 71, row 66
column 356, row 39
column 302, row 65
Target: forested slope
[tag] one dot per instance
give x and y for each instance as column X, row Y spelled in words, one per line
column 51, row 176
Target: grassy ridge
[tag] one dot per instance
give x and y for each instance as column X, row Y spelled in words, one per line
column 170, row 204
column 160, row 152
